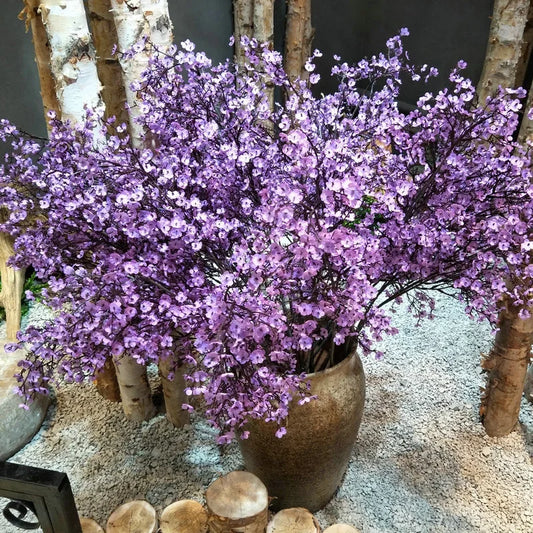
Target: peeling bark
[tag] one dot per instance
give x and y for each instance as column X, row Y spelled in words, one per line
column 504, row 48
column 134, row 20
column 109, row 71
column 506, row 367
column 134, row 389
column 42, row 57
column 73, row 59
column 243, row 22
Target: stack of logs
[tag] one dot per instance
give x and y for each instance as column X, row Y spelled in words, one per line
column 236, row 502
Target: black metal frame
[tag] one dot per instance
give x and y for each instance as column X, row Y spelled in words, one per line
column 46, row 493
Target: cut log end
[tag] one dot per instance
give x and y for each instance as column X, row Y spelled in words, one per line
column 133, row 517
column 341, row 528
column 88, row 525
column 185, row 516
column 237, row 500
column 293, row 520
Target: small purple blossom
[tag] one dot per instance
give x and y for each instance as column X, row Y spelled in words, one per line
column 257, row 257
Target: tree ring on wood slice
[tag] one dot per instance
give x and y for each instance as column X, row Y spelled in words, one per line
column 237, row 500
column 184, row 516
column 88, row 525
column 341, row 528
column 293, row 520
column 137, row 516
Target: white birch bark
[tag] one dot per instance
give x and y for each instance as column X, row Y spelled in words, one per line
column 134, row 388
column 243, row 22
column 12, row 287
column 174, row 392
column 504, row 48
column 134, row 20
column 73, row 60
column 264, row 32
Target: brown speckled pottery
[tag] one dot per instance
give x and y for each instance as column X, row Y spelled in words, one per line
column 305, row 467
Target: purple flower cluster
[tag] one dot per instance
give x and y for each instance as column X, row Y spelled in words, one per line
column 266, row 244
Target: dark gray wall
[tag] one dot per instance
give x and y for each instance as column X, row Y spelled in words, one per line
column 442, row 31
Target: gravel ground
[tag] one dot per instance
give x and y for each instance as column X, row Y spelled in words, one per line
column 422, row 462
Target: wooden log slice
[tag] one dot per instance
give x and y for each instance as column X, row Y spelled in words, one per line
column 185, row 516
column 293, row 520
column 237, row 502
column 88, row 525
column 341, row 528
column 137, row 516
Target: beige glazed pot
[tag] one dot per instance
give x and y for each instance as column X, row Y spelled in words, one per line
column 305, row 467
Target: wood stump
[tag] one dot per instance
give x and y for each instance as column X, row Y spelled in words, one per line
column 137, row 516
column 88, row 525
column 185, row 516
column 237, row 502
column 293, row 520
column 341, row 528
column 106, row 382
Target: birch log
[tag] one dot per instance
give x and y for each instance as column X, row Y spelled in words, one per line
column 173, row 382
column 88, row 525
column 237, row 502
column 293, row 520
column 185, row 516
column 341, row 528
column 73, row 59
column 109, row 71
column 12, row 287
column 506, row 367
column 134, row 389
column 106, row 381
column 133, row 517
column 134, row 20
column 506, row 364
column 263, row 20
column 41, row 46
column 504, row 48
column 298, row 37
column 243, row 23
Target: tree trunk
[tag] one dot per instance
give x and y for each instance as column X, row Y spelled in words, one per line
column 237, row 502
column 504, row 48
column 243, row 23
column 109, row 71
column 174, row 392
column 106, row 381
column 42, row 57
column 12, row 288
column 185, row 516
column 298, row 37
column 500, row 402
column 88, row 525
column 133, row 517
column 73, row 59
column 134, row 389
column 264, row 32
column 506, row 367
column 293, row 520
column 133, row 20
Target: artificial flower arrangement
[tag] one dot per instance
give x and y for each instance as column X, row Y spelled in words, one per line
column 266, row 244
